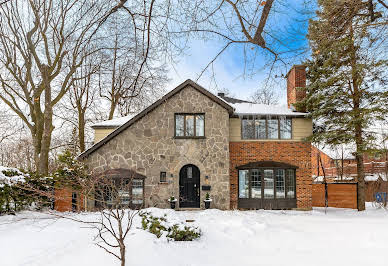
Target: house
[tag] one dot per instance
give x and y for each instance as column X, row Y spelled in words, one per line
column 342, row 165
column 192, row 142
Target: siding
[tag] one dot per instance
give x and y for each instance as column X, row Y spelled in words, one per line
column 301, row 128
column 100, row 133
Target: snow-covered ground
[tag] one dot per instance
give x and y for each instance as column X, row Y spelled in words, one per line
column 341, row 237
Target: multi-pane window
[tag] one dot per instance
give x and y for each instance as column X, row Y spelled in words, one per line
column 266, row 128
column 273, row 128
column 256, row 184
column 260, row 130
column 243, row 184
column 137, row 191
column 189, row 125
column 285, row 128
column 266, row 183
column 122, row 192
column 290, row 183
column 248, row 129
column 280, row 183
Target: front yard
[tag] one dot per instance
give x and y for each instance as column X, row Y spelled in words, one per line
column 341, row 237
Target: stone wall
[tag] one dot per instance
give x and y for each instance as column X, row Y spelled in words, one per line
column 292, row 152
column 149, row 147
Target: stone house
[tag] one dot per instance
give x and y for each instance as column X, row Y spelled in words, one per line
column 192, row 142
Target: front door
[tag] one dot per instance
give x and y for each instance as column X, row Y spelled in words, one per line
column 189, row 186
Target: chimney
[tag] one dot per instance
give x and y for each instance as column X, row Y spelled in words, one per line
column 296, row 78
column 221, row 94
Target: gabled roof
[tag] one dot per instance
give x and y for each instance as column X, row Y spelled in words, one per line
column 150, row 108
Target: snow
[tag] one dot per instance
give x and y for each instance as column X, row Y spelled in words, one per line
column 375, row 177
column 263, row 109
column 229, row 238
column 114, row 122
column 240, row 109
column 10, row 180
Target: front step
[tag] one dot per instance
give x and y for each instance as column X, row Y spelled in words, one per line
column 189, row 209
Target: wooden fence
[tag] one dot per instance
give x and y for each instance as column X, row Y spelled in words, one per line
column 340, row 195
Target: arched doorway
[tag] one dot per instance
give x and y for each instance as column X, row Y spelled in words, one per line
column 189, row 184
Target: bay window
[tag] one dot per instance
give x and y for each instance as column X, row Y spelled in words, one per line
column 266, row 185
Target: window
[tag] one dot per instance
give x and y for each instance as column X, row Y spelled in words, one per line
column 290, row 183
column 273, row 127
column 189, row 172
column 121, row 193
column 285, row 128
column 266, row 183
column 137, row 191
column 280, row 183
column 266, row 128
column 256, row 183
column 243, row 184
column 189, row 125
column 261, row 129
column 248, row 129
column 163, row 177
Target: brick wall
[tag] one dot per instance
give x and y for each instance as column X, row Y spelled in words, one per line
column 327, row 161
column 296, row 78
column 291, row 152
column 63, row 200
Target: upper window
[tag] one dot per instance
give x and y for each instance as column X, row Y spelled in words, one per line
column 266, row 128
column 189, row 125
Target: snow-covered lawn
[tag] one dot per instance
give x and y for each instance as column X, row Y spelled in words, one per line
column 341, row 237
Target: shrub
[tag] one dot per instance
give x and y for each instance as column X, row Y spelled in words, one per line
column 159, row 226
column 18, row 190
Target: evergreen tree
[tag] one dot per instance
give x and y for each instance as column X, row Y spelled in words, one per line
column 347, row 90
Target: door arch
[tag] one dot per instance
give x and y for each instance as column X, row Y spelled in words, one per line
column 189, row 183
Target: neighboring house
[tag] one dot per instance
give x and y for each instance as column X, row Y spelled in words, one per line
column 192, row 142
column 343, row 167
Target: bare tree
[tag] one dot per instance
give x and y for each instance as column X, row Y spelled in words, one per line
column 82, row 97
column 266, row 96
column 124, row 81
column 41, row 47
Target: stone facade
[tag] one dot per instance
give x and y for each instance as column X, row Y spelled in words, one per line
column 296, row 153
column 148, row 147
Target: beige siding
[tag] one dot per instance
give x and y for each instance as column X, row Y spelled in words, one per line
column 100, row 133
column 301, row 128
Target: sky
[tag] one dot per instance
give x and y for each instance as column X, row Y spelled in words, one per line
column 288, row 24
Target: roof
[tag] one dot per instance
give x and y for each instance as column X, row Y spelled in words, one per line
column 150, row 108
column 113, row 123
column 263, row 109
column 267, row 164
column 231, row 99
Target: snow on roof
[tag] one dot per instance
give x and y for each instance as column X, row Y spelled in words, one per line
column 10, row 180
column 116, row 122
column 375, row 177
column 263, row 109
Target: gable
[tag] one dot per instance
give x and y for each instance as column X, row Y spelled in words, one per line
column 152, row 107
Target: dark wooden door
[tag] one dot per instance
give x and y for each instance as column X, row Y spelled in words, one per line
column 189, row 187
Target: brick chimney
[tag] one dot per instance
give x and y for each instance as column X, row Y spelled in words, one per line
column 296, row 78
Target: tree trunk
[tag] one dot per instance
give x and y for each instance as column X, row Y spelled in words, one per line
column 81, row 130
column 47, row 125
column 122, row 253
column 360, row 172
